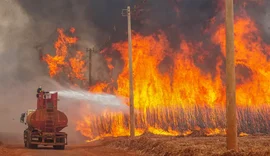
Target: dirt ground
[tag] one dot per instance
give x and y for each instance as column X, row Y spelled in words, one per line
column 152, row 145
column 82, row 150
column 194, row 146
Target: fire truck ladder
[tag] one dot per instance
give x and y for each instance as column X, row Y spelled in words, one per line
column 49, row 123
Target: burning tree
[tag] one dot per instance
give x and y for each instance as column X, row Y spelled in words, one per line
column 67, row 64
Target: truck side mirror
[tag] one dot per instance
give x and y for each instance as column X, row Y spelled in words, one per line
column 22, row 118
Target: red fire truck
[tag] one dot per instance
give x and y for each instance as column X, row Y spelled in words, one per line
column 45, row 123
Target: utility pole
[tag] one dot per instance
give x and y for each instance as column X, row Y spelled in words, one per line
column 90, row 50
column 126, row 12
column 232, row 142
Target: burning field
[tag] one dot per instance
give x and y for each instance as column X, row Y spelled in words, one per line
column 177, row 91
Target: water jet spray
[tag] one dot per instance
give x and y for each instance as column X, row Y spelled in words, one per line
column 93, row 98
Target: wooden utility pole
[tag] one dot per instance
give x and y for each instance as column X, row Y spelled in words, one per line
column 232, row 143
column 131, row 96
column 90, row 50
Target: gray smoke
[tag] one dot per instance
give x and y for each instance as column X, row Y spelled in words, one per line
column 48, row 15
column 22, row 72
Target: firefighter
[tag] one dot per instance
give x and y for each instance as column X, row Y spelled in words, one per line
column 39, row 90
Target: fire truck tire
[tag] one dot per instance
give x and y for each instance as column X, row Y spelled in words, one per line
column 25, row 139
column 59, row 147
column 34, row 146
column 29, row 145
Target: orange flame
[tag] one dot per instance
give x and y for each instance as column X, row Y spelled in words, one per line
column 177, row 103
column 250, row 53
column 182, row 98
column 62, row 60
column 78, row 66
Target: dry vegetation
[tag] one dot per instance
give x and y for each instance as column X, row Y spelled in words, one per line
column 149, row 144
column 194, row 146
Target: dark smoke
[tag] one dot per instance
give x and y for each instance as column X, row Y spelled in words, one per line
column 97, row 21
column 148, row 15
column 188, row 18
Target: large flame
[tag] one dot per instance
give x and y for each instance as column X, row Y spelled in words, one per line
column 188, row 98
column 251, row 53
column 182, row 98
column 64, row 61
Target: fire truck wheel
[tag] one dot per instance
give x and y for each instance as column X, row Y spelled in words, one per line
column 29, row 145
column 34, row 146
column 59, row 147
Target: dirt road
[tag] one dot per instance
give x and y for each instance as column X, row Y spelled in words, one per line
column 148, row 145
column 82, row 150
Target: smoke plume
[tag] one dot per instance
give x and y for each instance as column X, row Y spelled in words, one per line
column 21, row 70
column 99, row 21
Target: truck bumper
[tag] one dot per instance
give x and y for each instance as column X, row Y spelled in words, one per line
column 49, row 139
